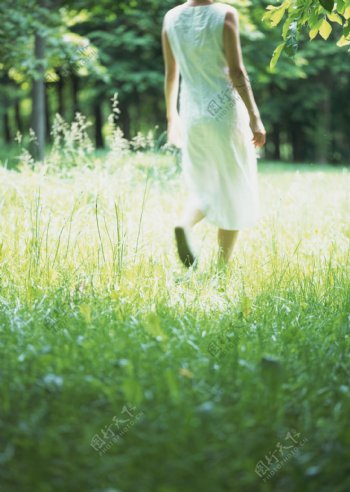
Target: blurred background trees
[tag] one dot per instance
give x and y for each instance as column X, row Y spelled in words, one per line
column 64, row 56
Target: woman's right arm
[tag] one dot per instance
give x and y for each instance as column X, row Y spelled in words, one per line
column 171, row 89
column 239, row 76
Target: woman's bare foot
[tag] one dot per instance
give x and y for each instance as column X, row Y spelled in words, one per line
column 184, row 246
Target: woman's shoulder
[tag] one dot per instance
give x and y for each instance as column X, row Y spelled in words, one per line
column 226, row 7
column 174, row 10
column 170, row 14
column 231, row 13
column 177, row 7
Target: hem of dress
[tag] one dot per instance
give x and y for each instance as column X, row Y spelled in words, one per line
column 207, row 216
column 234, row 227
column 229, row 227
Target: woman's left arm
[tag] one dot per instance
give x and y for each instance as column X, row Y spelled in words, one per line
column 171, row 90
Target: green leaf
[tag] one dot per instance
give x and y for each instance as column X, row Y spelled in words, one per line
column 334, row 17
column 267, row 15
column 274, row 14
column 313, row 33
column 276, row 54
column 327, row 4
column 343, row 41
column 325, row 29
column 340, row 6
column 286, row 27
column 346, row 28
column 291, row 46
column 314, row 20
column 277, row 15
column 315, row 28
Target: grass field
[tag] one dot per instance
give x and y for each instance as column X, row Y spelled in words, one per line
column 123, row 372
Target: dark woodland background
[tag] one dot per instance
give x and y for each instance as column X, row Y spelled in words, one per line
column 90, row 50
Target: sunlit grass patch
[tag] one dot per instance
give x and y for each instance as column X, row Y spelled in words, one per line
column 97, row 314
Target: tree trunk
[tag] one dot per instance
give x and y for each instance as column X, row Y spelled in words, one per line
column 75, row 93
column 138, row 111
column 124, row 119
column 7, row 130
column 47, row 113
column 276, row 141
column 5, row 81
column 98, row 125
column 323, row 139
column 297, row 141
column 18, row 116
column 60, row 95
column 38, row 109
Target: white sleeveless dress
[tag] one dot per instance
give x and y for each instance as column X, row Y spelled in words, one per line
column 219, row 162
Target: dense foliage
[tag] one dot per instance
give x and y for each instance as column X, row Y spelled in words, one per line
column 93, row 49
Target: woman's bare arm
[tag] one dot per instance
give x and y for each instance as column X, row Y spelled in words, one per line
column 171, row 90
column 171, row 80
column 237, row 70
column 239, row 76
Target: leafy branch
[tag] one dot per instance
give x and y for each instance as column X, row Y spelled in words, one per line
column 317, row 17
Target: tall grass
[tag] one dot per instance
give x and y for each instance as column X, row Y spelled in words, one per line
column 98, row 316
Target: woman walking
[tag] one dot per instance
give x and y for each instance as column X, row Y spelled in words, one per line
column 218, row 124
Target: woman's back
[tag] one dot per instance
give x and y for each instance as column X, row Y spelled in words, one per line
column 196, row 35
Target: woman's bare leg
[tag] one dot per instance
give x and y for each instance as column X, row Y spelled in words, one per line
column 226, row 240
column 191, row 216
column 186, row 250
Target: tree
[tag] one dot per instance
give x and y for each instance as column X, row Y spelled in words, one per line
column 42, row 27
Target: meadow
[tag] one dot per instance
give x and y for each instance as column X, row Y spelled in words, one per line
column 121, row 371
